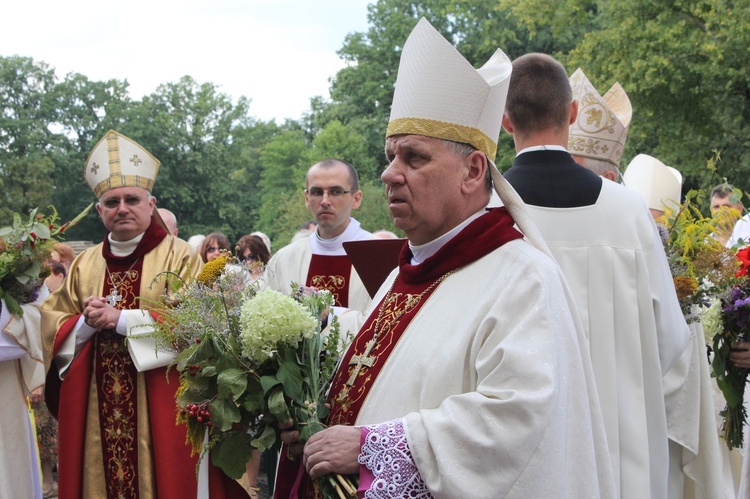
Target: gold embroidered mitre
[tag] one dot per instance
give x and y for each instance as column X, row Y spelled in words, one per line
column 117, row 161
column 658, row 183
column 439, row 94
column 602, row 125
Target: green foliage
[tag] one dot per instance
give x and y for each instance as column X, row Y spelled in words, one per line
column 683, row 64
column 25, row 248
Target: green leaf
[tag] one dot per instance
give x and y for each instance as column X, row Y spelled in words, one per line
column 13, row 305
column 206, row 350
column 228, row 361
column 266, row 439
column 268, row 382
column 232, row 382
column 290, row 376
column 307, row 430
column 224, row 414
column 278, row 407
column 232, row 454
column 254, row 395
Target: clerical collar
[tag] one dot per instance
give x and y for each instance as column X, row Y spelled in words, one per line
column 424, row 251
column 124, row 248
column 542, row 148
column 334, row 246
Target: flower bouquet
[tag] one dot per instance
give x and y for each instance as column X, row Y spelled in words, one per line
column 25, row 246
column 733, row 327
column 248, row 360
column 700, row 264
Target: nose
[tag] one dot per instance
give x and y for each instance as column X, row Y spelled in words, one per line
column 392, row 174
column 326, row 199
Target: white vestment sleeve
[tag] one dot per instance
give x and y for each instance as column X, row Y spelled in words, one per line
column 9, row 349
column 141, row 345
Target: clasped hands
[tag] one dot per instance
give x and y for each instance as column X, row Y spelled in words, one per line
column 333, row 450
column 99, row 314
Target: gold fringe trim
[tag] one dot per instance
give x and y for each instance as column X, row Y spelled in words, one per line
column 123, row 181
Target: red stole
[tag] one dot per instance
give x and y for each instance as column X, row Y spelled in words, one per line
column 399, row 307
column 331, row 273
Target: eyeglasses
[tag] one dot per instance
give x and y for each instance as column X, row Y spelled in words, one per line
column 333, row 192
column 115, row 202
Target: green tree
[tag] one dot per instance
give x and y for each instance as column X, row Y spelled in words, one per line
column 282, row 182
column 190, row 128
column 684, row 66
column 25, row 185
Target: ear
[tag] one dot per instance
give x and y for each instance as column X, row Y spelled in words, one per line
column 573, row 112
column 99, row 207
column 357, row 197
column 152, row 203
column 610, row 175
column 507, row 124
column 476, row 168
column 307, row 200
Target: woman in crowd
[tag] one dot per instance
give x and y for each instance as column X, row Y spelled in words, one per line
column 213, row 245
column 253, row 252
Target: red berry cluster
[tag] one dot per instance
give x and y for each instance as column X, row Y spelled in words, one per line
column 193, row 369
column 198, row 412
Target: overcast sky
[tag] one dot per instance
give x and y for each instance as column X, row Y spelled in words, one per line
column 278, row 53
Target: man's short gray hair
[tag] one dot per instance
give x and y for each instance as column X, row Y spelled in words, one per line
column 600, row 166
column 463, row 149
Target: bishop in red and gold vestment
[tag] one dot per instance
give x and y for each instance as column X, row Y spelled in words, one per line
column 116, row 408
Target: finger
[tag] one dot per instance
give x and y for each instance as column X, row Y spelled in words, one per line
column 290, row 437
column 318, row 469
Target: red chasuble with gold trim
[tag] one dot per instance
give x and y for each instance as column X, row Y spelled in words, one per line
column 331, row 273
column 414, row 285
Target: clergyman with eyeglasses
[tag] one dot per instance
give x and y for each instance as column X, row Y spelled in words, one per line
column 115, row 404
column 319, row 261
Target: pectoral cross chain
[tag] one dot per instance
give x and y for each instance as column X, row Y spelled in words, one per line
column 365, row 359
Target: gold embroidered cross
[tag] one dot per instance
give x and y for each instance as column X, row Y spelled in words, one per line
column 94, row 168
column 136, row 160
column 365, row 359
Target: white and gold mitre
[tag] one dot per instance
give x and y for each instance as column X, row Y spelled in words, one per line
column 439, row 94
column 601, row 128
column 117, row 161
column 658, row 183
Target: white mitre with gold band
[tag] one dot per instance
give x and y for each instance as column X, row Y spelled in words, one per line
column 658, row 183
column 440, row 94
column 117, row 161
column 601, row 128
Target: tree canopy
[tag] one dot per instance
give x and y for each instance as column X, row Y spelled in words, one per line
column 683, row 64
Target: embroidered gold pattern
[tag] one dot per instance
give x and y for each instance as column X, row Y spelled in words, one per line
column 332, row 283
column 443, row 130
column 124, row 286
column 391, row 309
column 118, row 418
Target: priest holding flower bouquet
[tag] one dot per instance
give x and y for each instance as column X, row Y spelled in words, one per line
column 470, row 376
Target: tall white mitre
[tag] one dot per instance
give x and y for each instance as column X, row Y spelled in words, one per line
column 602, row 125
column 658, row 183
column 117, row 161
column 440, row 94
